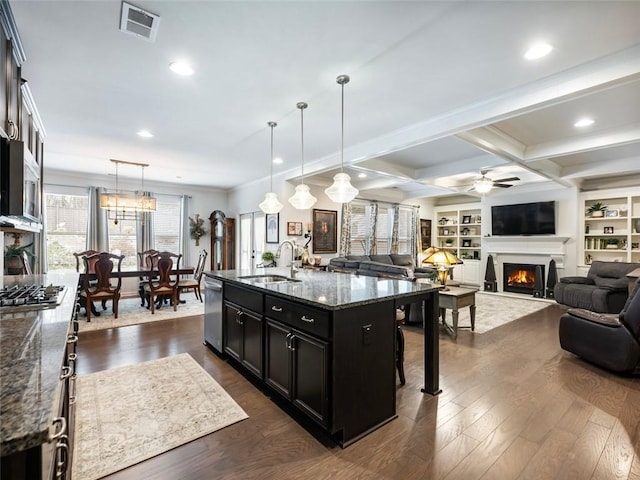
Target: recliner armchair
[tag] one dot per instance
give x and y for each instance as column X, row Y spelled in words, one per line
column 603, row 290
column 607, row 340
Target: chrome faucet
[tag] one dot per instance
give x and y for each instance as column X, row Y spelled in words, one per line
column 293, row 255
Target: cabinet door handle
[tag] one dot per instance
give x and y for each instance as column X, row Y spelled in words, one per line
column 292, row 343
column 72, row 339
column 287, row 340
column 66, row 373
column 308, row 320
column 62, row 454
column 63, row 428
column 276, row 309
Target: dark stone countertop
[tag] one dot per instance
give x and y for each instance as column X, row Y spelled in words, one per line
column 327, row 290
column 32, row 348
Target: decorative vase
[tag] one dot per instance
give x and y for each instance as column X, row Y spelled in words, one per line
column 597, row 213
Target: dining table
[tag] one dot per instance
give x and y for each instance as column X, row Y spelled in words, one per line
column 132, row 272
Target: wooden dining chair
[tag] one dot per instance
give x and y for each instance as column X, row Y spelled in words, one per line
column 102, row 288
column 194, row 283
column 146, row 259
column 161, row 282
column 80, row 262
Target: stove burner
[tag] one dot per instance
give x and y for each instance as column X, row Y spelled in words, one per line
column 31, row 296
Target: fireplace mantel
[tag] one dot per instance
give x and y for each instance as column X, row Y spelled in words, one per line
column 532, row 245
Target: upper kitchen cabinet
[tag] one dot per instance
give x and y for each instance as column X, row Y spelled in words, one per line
column 11, row 59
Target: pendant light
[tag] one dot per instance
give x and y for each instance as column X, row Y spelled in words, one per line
column 342, row 191
column 302, row 199
column 271, row 204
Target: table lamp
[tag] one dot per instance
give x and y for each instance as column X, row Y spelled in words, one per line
column 443, row 259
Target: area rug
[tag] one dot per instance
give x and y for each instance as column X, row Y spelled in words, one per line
column 131, row 313
column 494, row 310
column 132, row 413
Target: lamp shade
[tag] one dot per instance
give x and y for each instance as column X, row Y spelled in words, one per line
column 270, row 204
column 302, row 199
column 341, row 191
column 442, row 257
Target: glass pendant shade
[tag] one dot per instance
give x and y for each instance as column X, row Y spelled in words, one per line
column 341, row 191
column 270, row 204
column 302, row 199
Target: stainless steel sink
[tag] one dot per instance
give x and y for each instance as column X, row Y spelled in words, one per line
column 269, row 279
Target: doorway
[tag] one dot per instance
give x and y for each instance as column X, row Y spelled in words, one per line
column 252, row 237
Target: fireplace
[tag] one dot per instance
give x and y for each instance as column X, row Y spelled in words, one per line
column 521, row 277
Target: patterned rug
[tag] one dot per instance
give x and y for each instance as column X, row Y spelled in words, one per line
column 131, row 313
column 132, row 413
column 494, row 310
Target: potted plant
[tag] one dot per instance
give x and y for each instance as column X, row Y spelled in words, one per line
column 613, row 242
column 12, row 260
column 268, row 259
column 597, row 209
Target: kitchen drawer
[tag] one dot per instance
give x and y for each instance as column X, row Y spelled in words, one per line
column 244, row 297
column 306, row 319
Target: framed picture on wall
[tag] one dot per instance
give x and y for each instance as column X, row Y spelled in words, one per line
column 294, row 228
column 425, row 232
column 325, row 231
column 272, row 220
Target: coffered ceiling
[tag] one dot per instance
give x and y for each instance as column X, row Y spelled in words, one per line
column 438, row 92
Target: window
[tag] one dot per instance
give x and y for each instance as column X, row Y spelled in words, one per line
column 66, row 224
column 166, row 224
column 360, row 220
column 122, row 241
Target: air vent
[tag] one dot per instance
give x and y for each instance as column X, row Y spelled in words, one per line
column 139, row 22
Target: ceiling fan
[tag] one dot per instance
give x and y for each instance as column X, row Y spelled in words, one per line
column 484, row 184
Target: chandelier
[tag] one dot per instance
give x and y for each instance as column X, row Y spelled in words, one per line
column 127, row 206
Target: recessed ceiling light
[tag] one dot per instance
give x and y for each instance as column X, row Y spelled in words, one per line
column 181, row 68
column 584, row 122
column 538, row 50
column 277, row 160
column 362, row 175
column 145, row 134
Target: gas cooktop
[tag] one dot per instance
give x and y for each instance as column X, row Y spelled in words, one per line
column 29, row 297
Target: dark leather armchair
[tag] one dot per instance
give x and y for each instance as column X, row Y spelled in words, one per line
column 603, row 290
column 608, row 340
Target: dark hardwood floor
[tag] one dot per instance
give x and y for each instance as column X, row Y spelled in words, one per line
column 514, row 405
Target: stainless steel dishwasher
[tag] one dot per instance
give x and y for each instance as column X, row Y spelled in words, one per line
column 213, row 313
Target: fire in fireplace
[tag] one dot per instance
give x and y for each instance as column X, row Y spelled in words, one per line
column 520, row 277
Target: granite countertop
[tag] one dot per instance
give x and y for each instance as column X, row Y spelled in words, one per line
column 327, row 290
column 32, row 348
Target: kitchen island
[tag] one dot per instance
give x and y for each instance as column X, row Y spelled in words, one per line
column 37, row 352
column 324, row 342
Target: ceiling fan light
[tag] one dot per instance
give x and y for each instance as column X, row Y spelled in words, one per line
column 341, row 191
column 302, row 199
column 484, row 185
column 270, row 204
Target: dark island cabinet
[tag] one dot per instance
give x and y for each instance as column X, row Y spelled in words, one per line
column 297, row 367
column 243, row 337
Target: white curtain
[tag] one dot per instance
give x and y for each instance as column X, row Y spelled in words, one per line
column 185, row 247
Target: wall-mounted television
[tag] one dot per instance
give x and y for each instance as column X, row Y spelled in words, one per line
column 537, row 218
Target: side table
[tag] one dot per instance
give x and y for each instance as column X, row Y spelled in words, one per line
column 456, row 298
